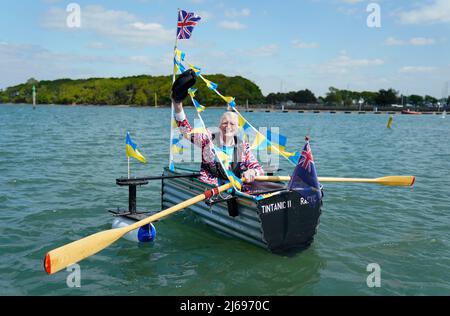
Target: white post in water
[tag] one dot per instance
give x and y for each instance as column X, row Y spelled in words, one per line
column 34, row 97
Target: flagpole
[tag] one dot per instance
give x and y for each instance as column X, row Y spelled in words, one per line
column 129, row 174
column 172, row 115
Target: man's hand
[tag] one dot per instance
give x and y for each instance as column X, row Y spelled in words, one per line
column 249, row 175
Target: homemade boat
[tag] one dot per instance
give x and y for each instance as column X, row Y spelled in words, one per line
column 278, row 220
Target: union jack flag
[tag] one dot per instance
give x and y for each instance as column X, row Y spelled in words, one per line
column 186, row 23
column 306, row 159
column 304, row 178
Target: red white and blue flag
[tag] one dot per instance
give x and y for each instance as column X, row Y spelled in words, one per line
column 304, row 179
column 186, row 23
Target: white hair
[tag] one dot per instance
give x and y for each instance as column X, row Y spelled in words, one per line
column 230, row 114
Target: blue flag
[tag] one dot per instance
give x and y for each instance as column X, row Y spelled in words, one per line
column 304, row 179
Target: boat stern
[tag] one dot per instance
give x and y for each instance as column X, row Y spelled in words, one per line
column 288, row 221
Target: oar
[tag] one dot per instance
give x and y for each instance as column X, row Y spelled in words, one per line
column 76, row 251
column 390, row 180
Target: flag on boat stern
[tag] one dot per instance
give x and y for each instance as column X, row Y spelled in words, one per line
column 132, row 151
column 304, row 179
column 186, row 23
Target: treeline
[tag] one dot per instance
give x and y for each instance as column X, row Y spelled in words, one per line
column 337, row 97
column 149, row 90
column 137, row 90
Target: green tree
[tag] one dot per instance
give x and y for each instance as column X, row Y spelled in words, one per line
column 334, row 96
column 416, row 100
column 386, row 97
column 304, row 96
column 369, row 97
column 140, row 98
column 430, row 100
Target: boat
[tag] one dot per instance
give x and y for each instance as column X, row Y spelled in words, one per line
column 279, row 221
column 408, row 111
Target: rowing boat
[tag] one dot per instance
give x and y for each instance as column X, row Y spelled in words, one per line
column 279, row 221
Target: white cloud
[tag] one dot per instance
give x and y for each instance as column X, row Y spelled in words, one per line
column 437, row 11
column 345, row 61
column 263, row 51
column 391, row 41
column 344, row 65
column 232, row 25
column 300, row 44
column 421, row 41
column 233, row 13
column 118, row 25
column 96, row 45
column 417, row 69
column 416, row 41
column 205, row 15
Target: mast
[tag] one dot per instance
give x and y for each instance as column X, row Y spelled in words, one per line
column 172, row 113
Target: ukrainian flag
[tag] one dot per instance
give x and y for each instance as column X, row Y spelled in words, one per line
column 132, row 151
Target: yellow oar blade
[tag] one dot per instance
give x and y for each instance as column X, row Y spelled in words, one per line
column 390, row 180
column 398, row 180
column 69, row 254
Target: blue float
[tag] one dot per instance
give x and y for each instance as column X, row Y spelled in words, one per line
column 146, row 233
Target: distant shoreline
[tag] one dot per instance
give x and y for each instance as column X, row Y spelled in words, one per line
column 263, row 108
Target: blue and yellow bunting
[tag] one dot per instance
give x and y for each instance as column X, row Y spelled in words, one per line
column 197, row 70
column 200, row 108
column 192, row 92
column 229, row 100
column 178, row 66
column 179, row 55
column 211, row 85
column 235, row 181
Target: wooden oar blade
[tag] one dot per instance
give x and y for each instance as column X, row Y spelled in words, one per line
column 64, row 256
column 76, row 251
column 397, row 180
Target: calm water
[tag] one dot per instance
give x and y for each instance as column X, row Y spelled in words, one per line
column 58, row 167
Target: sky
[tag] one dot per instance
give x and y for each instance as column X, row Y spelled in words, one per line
column 280, row 45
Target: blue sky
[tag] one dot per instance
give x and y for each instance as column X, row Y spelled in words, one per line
column 279, row 45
